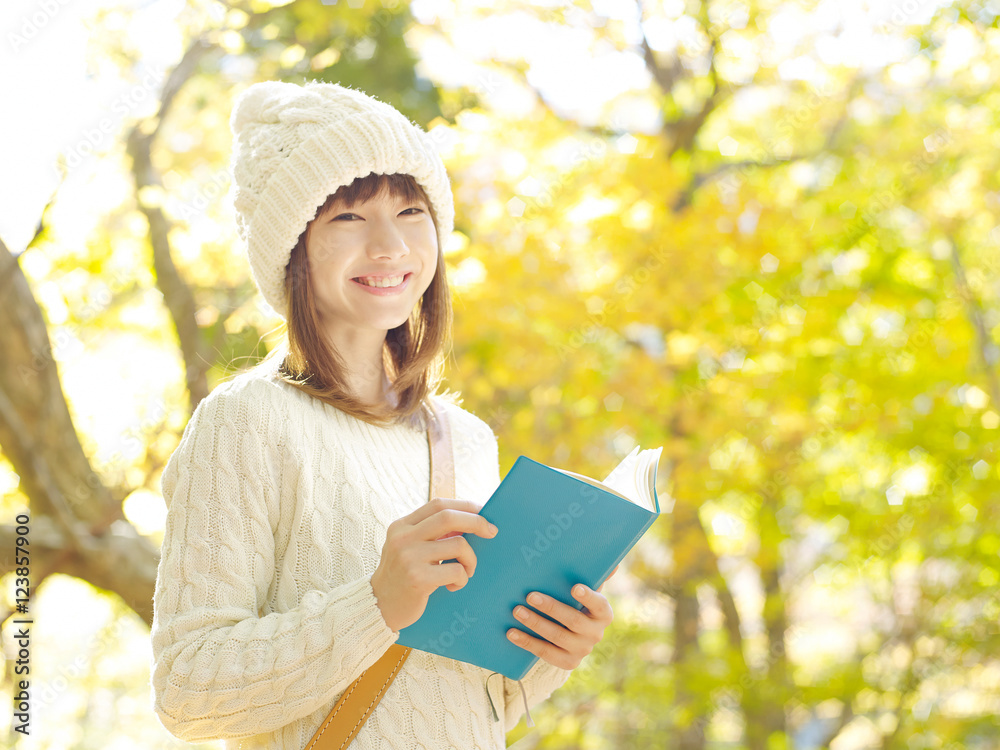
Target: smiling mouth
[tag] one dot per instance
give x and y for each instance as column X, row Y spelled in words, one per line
column 382, row 282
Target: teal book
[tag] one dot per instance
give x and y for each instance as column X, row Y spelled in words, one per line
column 556, row 529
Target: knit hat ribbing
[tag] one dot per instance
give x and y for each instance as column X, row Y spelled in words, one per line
column 295, row 145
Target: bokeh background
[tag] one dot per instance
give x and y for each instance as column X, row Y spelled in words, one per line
column 764, row 235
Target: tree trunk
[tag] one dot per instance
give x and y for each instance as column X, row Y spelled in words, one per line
column 687, row 657
column 76, row 523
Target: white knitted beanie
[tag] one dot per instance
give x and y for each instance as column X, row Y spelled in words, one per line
column 293, row 146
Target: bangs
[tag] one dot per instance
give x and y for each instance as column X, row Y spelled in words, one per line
column 401, row 186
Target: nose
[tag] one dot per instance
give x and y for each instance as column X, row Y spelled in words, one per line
column 387, row 241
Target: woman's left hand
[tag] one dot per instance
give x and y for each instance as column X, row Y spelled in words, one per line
column 563, row 645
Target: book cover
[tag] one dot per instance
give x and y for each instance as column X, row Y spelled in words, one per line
column 556, row 529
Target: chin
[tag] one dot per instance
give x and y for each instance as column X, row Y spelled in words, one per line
column 389, row 325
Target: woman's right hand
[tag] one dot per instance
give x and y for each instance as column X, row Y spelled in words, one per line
column 411, row 567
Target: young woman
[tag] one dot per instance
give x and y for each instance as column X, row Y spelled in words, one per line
column 299, row 539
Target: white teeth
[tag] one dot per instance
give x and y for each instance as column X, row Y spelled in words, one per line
column 387, row 281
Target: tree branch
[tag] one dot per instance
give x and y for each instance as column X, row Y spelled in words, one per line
column 30, row 465
column 845, row 718
column 176, row 80
column 122, row 562
column 698, row 180
column 665, row 77
column 72, row 510
column 986, row 349
column 36, row 430
column 177, row 294
column 685, row 131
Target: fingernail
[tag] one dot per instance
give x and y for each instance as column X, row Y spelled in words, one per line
column 534, row 599
column 579, row 590
column 494, row 530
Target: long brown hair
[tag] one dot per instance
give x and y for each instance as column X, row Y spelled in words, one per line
column 413, row 354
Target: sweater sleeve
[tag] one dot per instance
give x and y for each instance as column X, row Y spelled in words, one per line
column 219, row 668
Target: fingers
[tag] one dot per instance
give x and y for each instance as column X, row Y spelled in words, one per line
column 438, row 504
column 450, row 575
column 445, row 521
column 595, row 604
column 590, row 622
column 455, row 548
column 553, row 632
column 549, row 652
column 572, row 618
column 563, row 645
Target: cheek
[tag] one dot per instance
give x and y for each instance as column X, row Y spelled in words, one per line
column 423, row 232
column 318, row 258
column 430, row 242
column 323, row 249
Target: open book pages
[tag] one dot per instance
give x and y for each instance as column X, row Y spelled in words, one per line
column 633, row 479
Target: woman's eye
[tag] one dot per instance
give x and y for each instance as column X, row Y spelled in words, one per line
column 345, row 216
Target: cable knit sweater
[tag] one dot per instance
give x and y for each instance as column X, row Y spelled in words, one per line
column 278, row 506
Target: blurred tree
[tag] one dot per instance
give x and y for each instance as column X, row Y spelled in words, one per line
column 778, row 298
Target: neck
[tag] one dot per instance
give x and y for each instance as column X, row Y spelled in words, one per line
column 366, row 379
column 369, row 385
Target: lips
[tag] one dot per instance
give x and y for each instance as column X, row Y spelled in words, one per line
column 381, row 275
column 383, row 290
column 398, row 278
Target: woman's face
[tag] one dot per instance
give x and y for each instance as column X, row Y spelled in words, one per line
column 385, row 240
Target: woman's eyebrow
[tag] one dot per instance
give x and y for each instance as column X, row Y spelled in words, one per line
column 343, row 205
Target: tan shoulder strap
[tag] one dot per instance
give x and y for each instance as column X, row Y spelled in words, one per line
column 442, row 456
column 354, row 707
